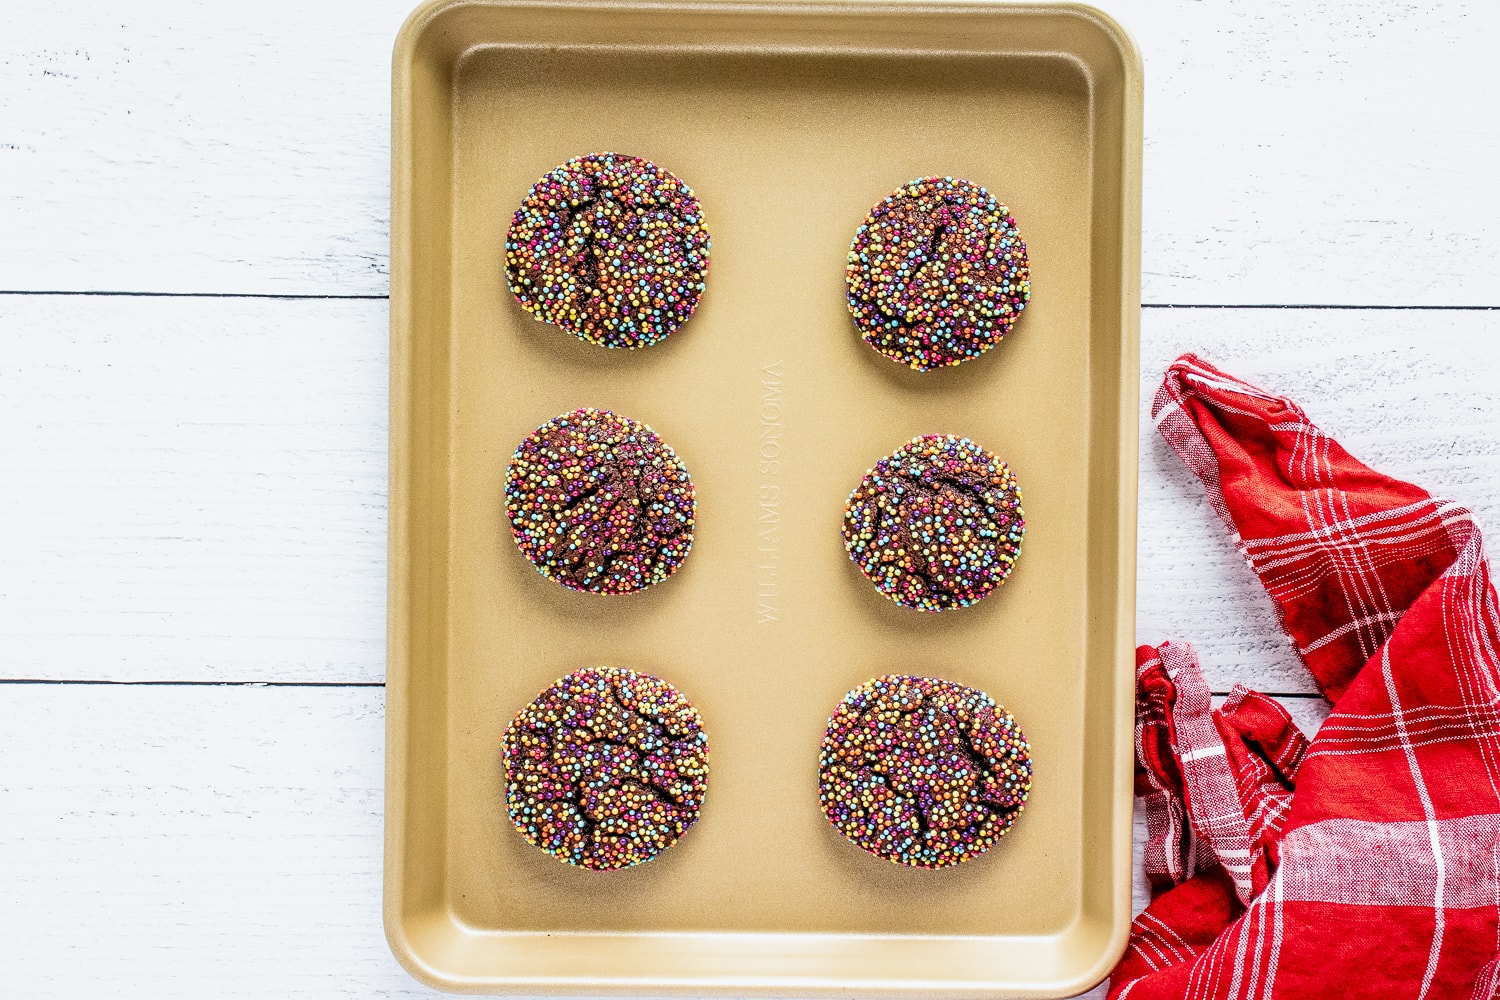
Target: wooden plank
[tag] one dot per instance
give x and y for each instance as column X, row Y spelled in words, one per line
column 214, row 841
column 193, row 841
column 1306, row 153
column 196, row 489
column 203, row 480
column 196, row 146
column 1317, row 152
column 1413, row 394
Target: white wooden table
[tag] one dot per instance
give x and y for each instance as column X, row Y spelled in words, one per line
column 193, row 237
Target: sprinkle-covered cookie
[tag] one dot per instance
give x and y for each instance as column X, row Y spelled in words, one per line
column 598, row 502
column 937, row 524
column 922, row 771
column 937, row 274
column 611, row 248
column 606, row 768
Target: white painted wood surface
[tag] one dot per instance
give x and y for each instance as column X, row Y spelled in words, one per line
column 1312, row 152
column 1412, row 393
column 191, row 842
column 201, row 481
column 199, row 488
column 194, row 488
column 198, row 841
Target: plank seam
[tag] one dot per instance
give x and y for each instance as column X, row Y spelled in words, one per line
column 313, row 297
column 19, row 681
column 18, row 292
column 39, row 681
column 1333, row 306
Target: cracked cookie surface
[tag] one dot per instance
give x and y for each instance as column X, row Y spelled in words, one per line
column 599, row 503
column 937, row 524
column 606, row 769
column 937, row 274
column 922, row 771
column 611, row 248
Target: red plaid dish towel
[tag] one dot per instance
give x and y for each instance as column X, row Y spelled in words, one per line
column 1365, row 862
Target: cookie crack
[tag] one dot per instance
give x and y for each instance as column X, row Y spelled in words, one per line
column 1003, row 269
column 583, row 497
column 898, row 522
column 660, row 730
column 589, row 268
column 658, row 793
column 980, row 764
column 935, row 240
column 923, row 486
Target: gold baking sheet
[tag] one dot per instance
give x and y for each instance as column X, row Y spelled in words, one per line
column 789, row 121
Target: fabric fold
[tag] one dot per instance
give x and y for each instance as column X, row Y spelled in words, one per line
column 1365, row 862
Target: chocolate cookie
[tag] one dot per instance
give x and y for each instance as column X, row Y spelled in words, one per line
column 611, row 248
column 921, row 771
column 606, row 768
column 599, row 503
column 937, row 274
column 937, row 524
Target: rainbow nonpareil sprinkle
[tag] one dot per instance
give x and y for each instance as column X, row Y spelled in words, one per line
column 598, row 502
column 937, row 274
column 611, row 248
column 937, row 524
column 921, row 771
column 606, row 769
